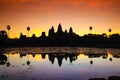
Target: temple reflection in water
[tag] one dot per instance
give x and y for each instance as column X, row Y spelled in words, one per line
column 58, row 54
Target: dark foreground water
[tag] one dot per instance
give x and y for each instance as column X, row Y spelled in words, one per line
column 58, row 63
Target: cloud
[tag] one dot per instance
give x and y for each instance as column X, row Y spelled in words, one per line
column 64, row 3
column 60, row 7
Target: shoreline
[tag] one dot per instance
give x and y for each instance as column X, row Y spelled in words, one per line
column 85, row 46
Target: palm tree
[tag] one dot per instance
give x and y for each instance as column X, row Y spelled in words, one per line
column 90, row 28
column 8, row 28
column 28, row 29
column 110, row 57
column 91, row 62
column 8, row 63
column 28, row 62
column 110, row 30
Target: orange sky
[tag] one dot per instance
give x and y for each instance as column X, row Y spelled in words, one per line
column 40, row 15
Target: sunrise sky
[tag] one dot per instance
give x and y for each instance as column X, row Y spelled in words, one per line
column 40, row 15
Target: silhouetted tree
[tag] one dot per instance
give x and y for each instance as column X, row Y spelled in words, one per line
column 90, row 28
column 104, row 56
column 28, row 29
column 28, row 62
column 3, row 35
column 91, row 62
column 8, row 63
column 110, row 30
column 3, row 59
column 8, row 28
column 104, row 35
column 110, row 59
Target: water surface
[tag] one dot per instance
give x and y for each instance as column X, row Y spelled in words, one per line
column 58, row 63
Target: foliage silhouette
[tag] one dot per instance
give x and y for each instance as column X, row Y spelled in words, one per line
column 8, row 28
column 28, row 29
column 90, row 28
column 3, row 59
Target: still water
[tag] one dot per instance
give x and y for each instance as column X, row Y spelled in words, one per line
column 58, row 63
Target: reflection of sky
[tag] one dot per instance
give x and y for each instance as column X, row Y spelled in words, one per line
column 39, row 68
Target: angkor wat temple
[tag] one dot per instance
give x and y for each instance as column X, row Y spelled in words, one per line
column 61, row 38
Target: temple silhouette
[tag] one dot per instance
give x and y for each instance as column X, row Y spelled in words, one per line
column 61, row 38
column 59, row 57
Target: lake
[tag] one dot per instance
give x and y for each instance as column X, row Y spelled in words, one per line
column 58, row 63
